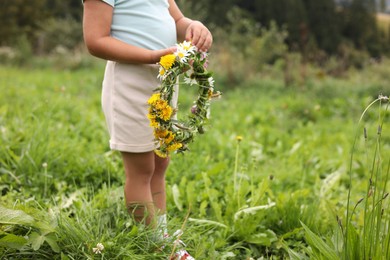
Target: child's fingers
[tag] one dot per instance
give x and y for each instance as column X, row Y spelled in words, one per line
column 199, row 35
column 189, row 34
column 204, row 41
column 201, row 39
column 207, row 44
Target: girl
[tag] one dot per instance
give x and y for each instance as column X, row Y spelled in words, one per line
column 132, row 35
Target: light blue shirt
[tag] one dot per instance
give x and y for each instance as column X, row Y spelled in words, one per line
column 143, row 23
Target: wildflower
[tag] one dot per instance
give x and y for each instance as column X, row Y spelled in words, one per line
column 44, row 165
column 153, row 122
column 239, row 138
column 187, row 46
column 182, row 54
column 203, row 55
column 169, row 137
column 166, row 113
column 98, row 249
column 167, row 61
column 160, row 153
column 194, row 109
column 184, row 50
column 160, row 133
column 154, row 98
column 161, row 104
column 174, row 147
column 161, row 73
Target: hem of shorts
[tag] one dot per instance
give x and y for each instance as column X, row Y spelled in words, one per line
column 133, row 148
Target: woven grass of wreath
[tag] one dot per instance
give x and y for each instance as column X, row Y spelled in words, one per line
column 170, row 133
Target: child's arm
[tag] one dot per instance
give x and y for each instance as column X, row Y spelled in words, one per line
column 96, row 27
column 190, row 30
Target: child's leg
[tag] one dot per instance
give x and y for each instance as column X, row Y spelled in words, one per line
column 158, row 192
column 145, row 184
column 139, row 171
column 158, row 183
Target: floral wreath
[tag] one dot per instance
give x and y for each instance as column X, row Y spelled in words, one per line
column 171, row 134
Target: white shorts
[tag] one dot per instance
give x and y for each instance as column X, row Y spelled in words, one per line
column 126, row 90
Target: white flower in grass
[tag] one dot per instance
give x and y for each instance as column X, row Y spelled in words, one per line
column 98, row 249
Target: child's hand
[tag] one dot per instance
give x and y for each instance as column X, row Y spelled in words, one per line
column 199, row 35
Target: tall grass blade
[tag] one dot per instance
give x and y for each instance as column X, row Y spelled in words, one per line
column 317, row 243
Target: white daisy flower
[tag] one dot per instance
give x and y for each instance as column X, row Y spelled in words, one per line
column 161, row 73
column 188, row 47
column 182, row 54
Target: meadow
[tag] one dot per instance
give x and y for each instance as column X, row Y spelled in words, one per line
column 297, row 172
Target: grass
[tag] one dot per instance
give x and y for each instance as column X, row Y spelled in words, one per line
column 257, row 197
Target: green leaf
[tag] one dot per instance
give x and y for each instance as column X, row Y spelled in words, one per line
column 264, row 239
column 213, row 197
column 133, row 231
column 260, row 192
column 207, row 222
column 36, row 240
column 51, row 240
column 64, row 257
column 293, row 254
column 176, row 197
column 15, row 217
column 252, row 210
column 317, row 243
column 12, row 241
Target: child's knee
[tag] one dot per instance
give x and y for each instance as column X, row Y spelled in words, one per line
column 161, row 164
column 138, row 165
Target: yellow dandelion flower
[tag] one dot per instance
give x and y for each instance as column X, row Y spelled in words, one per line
column 151, row 116
column 166, row 113
column 174, row 147
column 167, row 61
column 160, row 104
column 154, row 98
column 169, row 137
column 154, row 123
column 160, row 153
column 160, row 133
column 239, row 138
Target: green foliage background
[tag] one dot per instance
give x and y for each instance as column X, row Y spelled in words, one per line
column 321, row 24
column 295, row 76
